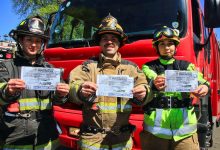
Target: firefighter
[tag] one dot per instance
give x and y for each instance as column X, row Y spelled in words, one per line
column 106, row 119
column 27, row 121
column 170, row 121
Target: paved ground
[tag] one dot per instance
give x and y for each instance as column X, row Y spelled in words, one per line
column 216, row 139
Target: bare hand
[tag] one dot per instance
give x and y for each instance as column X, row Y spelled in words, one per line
column 159, row 82
column 62, row 89
column 14, row 86
column 139, row 92
column 88, row 89
column 200, row 91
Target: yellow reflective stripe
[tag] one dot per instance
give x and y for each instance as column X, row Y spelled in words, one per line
column 34, row 103
column 76, row 85
column 86, row 145
column 148, row 72
column 2, row 85
column 2, row 102
column 114, row 107
column 18, row 147
column 52, row 145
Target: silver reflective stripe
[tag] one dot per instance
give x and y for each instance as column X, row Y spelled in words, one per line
column 169, row 132
column 158, row 118
column 128, row 106
column 185, row 130
column 11, row 114
column 29, row 104
column 185, row 116
column 158, row 130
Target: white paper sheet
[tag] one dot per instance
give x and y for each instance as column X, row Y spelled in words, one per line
column 115, row 86
column 39, row 78
column 180, row 81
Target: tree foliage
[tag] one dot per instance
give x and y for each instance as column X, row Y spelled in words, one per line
column 26, row 8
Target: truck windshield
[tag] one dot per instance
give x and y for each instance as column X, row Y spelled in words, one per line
column 77, row 20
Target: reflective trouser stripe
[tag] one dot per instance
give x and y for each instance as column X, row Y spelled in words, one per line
column 52, row 145
column 86, row 145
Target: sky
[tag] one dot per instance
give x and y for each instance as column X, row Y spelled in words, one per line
column 9, row 19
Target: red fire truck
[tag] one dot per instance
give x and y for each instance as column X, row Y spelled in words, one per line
column 71, row 43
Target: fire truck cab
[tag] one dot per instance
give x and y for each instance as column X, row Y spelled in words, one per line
column 71, row 43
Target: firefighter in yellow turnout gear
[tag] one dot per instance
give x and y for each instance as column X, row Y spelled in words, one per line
column 27, row 120
column 170, row 122
column 106, row 119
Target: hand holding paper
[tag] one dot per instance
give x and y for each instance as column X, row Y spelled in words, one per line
column 159, row 82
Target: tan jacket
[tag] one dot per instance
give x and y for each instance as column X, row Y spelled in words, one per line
column 110, row 111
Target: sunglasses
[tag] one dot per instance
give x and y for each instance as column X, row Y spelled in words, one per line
column 166, row 32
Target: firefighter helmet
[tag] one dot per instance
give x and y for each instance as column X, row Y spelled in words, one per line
column 33, row 26
column 166, row 33
column 110, row 25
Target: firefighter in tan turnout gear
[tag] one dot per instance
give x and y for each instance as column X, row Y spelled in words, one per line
column 106, row 119
column 27, row 121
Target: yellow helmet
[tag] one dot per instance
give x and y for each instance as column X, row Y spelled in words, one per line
column 110, row 25
column 166, row 33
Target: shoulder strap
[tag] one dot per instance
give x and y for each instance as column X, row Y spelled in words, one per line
column 180, row 65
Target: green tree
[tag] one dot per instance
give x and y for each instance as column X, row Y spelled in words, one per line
column 32, row 7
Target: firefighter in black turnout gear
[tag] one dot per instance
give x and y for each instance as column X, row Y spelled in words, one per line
column 27, row 120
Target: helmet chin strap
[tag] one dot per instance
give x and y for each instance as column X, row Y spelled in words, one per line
column 41, row 49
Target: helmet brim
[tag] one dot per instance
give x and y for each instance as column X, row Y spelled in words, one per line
column 175, row 39
column 26, row 33
column 122, row 36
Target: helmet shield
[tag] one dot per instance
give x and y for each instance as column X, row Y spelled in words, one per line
column 33, row 26
column 36, row 26
column 110, row 25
